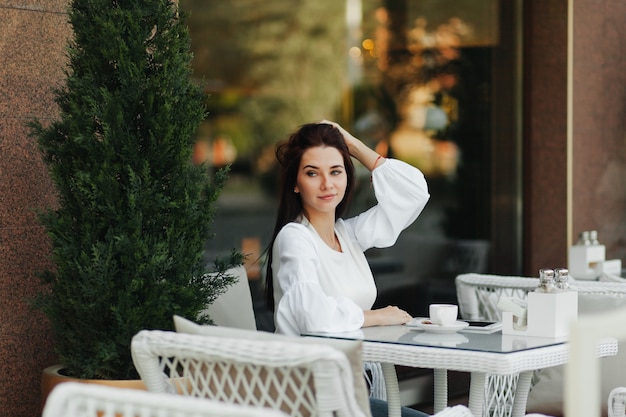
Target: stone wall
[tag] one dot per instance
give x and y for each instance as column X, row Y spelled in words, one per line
column 599, row 123
column 597, row 148
column 32, row 40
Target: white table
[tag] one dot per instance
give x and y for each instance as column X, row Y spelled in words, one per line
column 479, row 354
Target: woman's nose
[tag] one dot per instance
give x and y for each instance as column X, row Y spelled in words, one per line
column 326, row 182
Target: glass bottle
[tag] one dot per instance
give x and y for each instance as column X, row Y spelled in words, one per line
column 546, row 281
column 583, row 239
column 561, row 279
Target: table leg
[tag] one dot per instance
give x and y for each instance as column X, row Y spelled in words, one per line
column 392, row 388
column 477, row 393
column 521, row 394
column 441, row 389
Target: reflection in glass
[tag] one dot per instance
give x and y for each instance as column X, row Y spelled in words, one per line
column 425, row 81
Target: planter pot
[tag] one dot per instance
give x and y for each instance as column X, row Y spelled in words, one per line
column 53, row 376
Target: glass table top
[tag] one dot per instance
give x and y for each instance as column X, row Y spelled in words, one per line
column 482, row 342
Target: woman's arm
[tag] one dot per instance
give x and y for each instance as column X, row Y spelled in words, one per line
column 401, row 194
column 387, row 316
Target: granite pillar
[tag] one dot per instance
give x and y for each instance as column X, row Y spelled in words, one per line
column 545, row 134
column 599, row 123
column 32, row 40
column 598, row 140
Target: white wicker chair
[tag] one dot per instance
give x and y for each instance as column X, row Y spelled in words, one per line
column 300, row 380
column 234, row 308
column 616, row 404
column 478, row 295
column 73, row 399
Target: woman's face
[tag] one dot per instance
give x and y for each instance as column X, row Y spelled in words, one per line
column 322, row 180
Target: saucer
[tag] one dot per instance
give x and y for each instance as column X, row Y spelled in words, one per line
column 423, row 323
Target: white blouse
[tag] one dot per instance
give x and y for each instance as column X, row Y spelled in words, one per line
column 318, row 289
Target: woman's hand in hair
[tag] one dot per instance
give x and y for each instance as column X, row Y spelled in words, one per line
column 350, row 140
column 368, row 157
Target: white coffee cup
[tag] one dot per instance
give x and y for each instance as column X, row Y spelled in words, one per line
column 443, row 314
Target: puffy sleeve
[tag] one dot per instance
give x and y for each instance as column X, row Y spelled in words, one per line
column 301, row 304
column 401, row 194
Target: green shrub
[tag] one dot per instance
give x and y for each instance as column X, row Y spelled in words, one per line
column 133, row 214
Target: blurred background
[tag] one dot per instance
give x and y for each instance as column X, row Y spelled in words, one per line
column 430, row 82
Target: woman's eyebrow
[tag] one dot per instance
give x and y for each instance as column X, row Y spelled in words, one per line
column 314, row 167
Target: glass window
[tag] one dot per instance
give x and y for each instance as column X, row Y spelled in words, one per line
column 432, row 82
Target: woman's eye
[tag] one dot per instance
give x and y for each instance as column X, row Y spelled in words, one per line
column 311, row 173
column 337, row 172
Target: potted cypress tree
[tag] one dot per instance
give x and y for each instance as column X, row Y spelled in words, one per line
column 134, row 214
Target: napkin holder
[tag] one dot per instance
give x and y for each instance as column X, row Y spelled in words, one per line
column 548, row 315
column 585, row 261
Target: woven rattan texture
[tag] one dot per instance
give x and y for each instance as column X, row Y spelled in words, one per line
column 300, row 380
column 73, row 399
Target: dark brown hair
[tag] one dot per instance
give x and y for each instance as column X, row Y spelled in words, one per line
column 289, row 154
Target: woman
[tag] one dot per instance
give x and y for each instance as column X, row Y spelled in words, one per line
column 318, row 279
